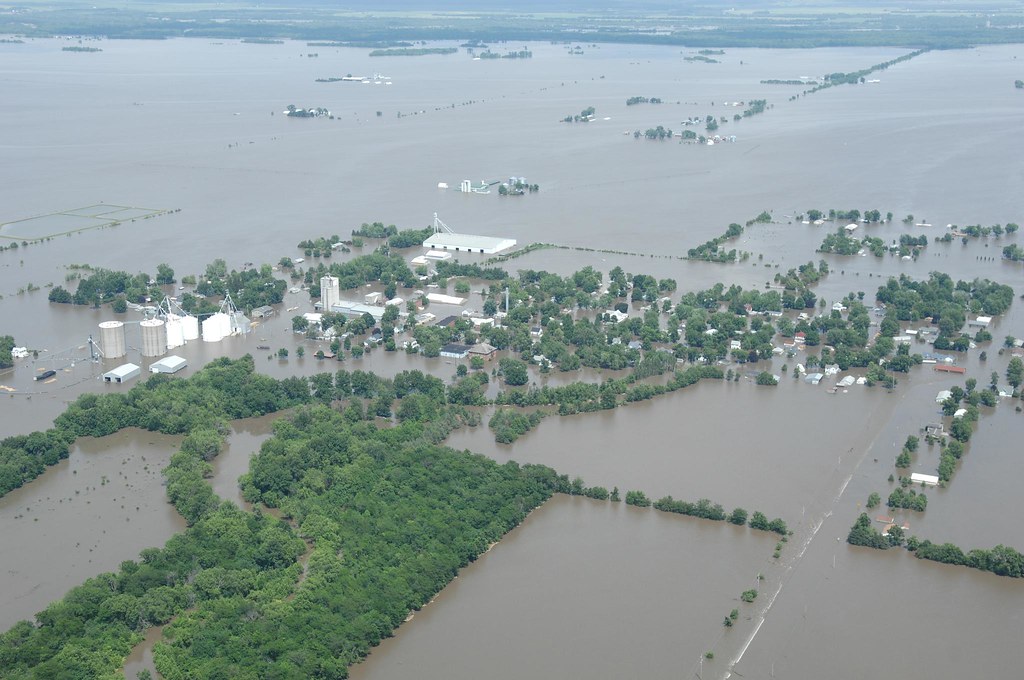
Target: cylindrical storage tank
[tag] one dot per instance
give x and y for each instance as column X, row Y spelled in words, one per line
column 212, row 331
column 190, row 327
column 112, row 339
column 224, row 324
column 154, row 337
column 175, row 331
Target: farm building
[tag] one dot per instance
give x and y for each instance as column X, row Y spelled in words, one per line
column 122, row 373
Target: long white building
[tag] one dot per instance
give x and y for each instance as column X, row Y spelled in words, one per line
column 468, row 243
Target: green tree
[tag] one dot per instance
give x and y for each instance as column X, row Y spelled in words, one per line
column 1015, row 371
column 514, row 371
column 637, row 498
column 738, row 517
column 164, row 275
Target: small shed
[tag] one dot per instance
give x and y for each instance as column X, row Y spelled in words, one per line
column 122, row 373
column 169, row 364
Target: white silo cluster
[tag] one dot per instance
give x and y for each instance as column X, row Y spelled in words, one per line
column 154, row 337
column 112, row 339
column 216, row 327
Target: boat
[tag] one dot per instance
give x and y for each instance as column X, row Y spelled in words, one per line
column 46, row 374
column 262, row 346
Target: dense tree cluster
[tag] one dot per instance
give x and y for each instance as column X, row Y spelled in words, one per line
column 248, row 288
column 25, row 457
column 1000, row 560
column 6, row 345
column 375, row 230
column 104, row 285
column 224, row 390
column 907, row 499
column 509, row 425
column 321, row 246
column 862, row 533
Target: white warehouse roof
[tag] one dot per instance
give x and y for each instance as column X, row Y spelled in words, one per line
column 169, row 364
column 468, row 243
column 122, row 373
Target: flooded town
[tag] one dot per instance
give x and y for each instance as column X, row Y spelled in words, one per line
column 807, row 309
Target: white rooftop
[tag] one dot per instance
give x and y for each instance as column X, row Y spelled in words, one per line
column 169, row 364
column 468, row 243
column 124, row 370
column 442, row 299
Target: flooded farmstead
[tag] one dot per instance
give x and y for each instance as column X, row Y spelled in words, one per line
column 609, row 360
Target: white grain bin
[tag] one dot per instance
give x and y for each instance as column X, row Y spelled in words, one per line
column 212, row 329
column 224, row 323
column 154, row 337
column 112, row 339
column 175, row 331
column 190, row 327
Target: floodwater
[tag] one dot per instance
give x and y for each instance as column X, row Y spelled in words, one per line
column 85, row 516
column 197, row 126
column 243, row 443
column 568, row 594
column 141, row 657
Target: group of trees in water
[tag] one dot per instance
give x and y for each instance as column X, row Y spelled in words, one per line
column 584, row 116
column 711, row 251
column 101, row 286
column 249, row 288
column 355, row 496
column 1001, row 560
column 633, row 101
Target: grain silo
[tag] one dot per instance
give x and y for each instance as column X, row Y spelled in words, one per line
column 112, row 339
column 154, row 337
column 190, row 327
column 175, row 331
column 216, row 327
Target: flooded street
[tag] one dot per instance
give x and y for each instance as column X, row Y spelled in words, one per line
column 581, row 588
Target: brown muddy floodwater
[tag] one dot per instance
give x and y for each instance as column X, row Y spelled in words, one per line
column 243, row 443
column 141, row 658
column 84, row 517
column 569, row 594
column 582, row 588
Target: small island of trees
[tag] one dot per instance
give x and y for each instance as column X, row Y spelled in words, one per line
column 584, row 116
